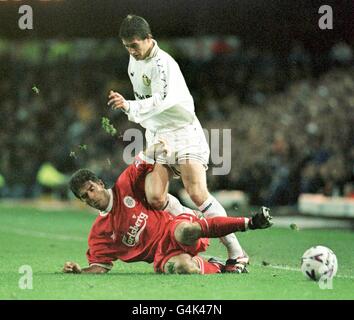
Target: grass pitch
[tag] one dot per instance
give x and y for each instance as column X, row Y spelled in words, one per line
column 45, row 239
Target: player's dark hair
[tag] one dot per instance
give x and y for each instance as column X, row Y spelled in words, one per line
column 79, row 178
column 134, row 27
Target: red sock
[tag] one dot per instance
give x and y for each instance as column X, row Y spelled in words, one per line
column 207, row 267
column 221, row 226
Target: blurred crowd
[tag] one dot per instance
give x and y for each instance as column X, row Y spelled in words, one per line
column 291, row 115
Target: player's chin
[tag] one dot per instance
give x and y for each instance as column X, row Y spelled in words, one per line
column 96, row 205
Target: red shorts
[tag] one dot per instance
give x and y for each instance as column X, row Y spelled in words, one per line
column 169, row 247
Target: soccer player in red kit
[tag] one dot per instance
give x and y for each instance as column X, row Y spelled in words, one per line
column 129, row 229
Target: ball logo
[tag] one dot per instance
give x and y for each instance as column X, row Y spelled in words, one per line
column 129, row 202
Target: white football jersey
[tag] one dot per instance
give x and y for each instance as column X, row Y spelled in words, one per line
column 163, row 101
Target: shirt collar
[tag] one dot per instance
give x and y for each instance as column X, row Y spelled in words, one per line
column 110, row 204
column 154, row 50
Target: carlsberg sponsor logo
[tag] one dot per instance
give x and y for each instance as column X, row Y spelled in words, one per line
column 132, row 237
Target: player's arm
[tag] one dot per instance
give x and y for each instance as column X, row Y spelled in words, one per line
column 160, row 100
column 161, row 97
column 73, row 267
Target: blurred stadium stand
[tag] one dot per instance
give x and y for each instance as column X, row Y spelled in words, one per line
column 262, row 68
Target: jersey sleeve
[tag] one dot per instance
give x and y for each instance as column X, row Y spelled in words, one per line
column 161, row 97
column 98, row 256
column 100, row 251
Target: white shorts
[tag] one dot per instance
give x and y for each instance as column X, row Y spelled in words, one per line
column 187, row 143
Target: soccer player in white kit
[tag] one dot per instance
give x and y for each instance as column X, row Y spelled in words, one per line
column 165, row 108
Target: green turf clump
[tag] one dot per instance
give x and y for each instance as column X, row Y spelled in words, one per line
column 35, row 90
column 108, row 127
column 73, row 155
column 83, row 146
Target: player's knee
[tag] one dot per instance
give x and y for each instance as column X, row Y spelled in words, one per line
column 187, row 233
column 158, row 202
column 197, row 192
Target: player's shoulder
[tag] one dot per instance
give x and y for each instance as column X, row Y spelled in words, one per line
column 101, row 221
column 163, row 56
column 100, row 228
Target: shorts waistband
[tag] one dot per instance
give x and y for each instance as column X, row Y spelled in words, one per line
column 169, row 130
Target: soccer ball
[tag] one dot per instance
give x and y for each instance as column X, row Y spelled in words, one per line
column 318, row 262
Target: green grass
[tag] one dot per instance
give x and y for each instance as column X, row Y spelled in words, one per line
column 45, row 239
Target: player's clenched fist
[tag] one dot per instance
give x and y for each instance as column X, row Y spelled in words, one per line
column 117, row 101
column 162, row 148
column 71, row 267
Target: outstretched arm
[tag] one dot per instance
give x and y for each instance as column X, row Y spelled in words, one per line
column 73, row 267
column 156, row 102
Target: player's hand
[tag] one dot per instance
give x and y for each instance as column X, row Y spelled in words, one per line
column 117, row 101
column 157, row 149
column 71, row 267
column 162, row 148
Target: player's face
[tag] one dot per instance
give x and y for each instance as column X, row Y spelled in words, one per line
column 137, row 48
column 95, row 195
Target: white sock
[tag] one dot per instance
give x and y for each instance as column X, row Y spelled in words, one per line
column 212, row 208
column 175, row 207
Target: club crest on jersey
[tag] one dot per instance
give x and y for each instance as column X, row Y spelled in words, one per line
column 131, row 238
column 146, row 80
column 129, row 202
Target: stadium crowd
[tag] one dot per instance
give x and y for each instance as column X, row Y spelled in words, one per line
column 292, row 117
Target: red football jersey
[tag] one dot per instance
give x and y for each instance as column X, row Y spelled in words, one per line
column 132, row 229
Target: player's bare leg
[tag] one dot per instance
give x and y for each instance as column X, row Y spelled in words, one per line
column 156, row 190
column 194, row 179
column 156, row 186
column 182, row 264
column 188, row 233
column 186, row 264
